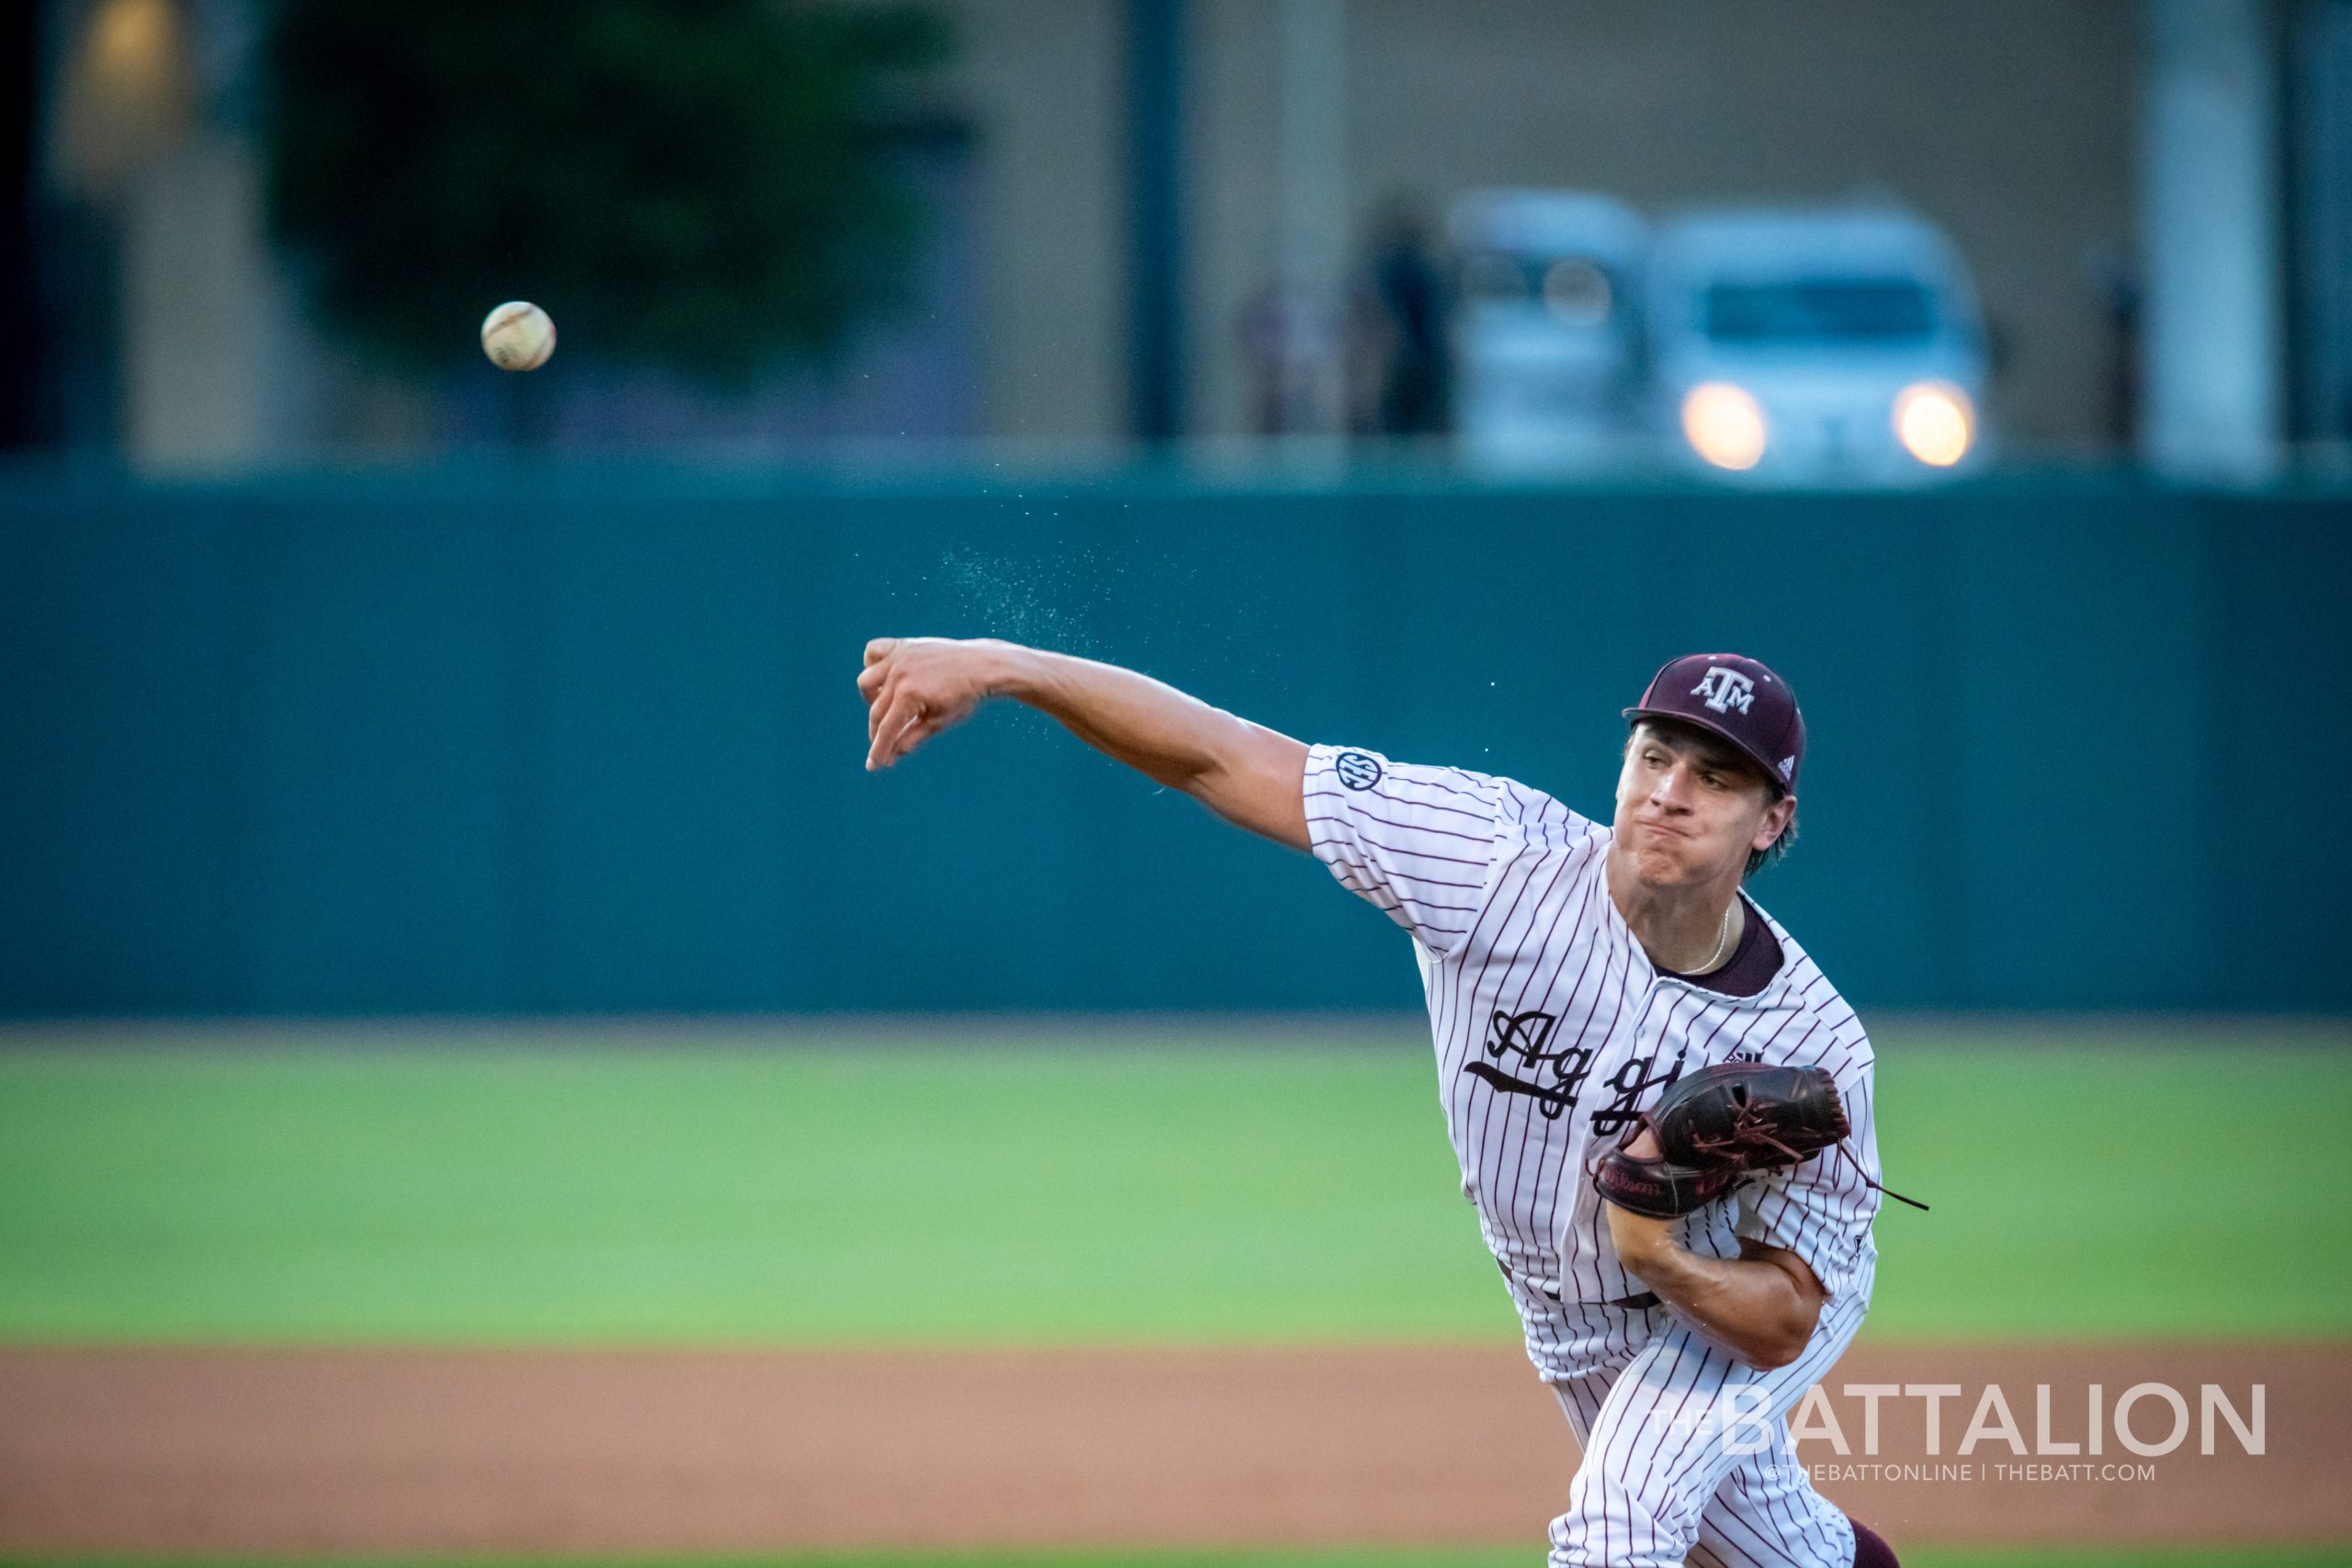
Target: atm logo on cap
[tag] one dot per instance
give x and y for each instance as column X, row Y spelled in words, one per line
column 1724, row 688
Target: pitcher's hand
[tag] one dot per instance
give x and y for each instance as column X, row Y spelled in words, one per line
column 1641, row 1242
column 916, row 686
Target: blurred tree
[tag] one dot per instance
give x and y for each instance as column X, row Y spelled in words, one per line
column 693, row 183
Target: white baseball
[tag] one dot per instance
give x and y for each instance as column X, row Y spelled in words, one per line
column 517, row 336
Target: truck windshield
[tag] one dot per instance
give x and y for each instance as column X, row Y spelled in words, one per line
column 1820, row 309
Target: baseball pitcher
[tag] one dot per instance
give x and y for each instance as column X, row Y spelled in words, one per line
column 1662, row 1109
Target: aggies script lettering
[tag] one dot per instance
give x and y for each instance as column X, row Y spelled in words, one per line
column 1527, row 1035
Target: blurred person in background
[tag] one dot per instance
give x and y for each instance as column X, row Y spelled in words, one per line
column 1293, row 346
column 2113, row 279
column 1403, row 382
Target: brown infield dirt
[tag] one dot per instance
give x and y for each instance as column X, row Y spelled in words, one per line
column 362, row 1452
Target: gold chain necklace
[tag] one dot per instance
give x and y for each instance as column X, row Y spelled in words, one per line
column 1723, row 935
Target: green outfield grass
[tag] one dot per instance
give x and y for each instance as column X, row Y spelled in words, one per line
column 887, row 1189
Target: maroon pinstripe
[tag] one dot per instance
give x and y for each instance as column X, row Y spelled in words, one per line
column 1502, row 889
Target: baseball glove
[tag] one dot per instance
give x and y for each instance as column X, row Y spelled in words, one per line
column 1715, row 1128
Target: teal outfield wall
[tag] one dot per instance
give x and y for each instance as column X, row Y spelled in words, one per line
column 585, row 743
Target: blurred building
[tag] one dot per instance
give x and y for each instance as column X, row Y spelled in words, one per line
column 2155, row 201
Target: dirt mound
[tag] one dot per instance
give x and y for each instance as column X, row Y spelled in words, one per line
column 548, row 1451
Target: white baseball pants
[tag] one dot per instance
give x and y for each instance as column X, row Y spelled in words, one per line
column 1687, row 1453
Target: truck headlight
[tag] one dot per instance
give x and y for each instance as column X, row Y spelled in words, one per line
column 1935, row 423
column 1723, row 424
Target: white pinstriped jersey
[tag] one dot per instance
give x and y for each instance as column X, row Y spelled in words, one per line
column 1552, row 1027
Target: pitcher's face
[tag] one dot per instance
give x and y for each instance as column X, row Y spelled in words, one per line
column 1691, row 809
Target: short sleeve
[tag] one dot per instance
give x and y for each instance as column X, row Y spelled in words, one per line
column 1421, row 842
column 1822, row 1210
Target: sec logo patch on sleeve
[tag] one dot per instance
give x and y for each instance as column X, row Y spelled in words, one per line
column 1357, row 771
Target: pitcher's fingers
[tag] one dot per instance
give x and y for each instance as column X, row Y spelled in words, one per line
column 915, row 734
column 873, row 717
column 900, row 740
column 879, row 648
column 870, row 679
column 885, row 720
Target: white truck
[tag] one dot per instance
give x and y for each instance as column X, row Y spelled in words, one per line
column 1834, row 347
column 1547, row 328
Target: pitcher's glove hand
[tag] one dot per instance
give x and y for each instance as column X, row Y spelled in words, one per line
column 1714, row 1129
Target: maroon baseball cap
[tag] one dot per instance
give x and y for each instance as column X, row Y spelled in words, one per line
column 1737, row 698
